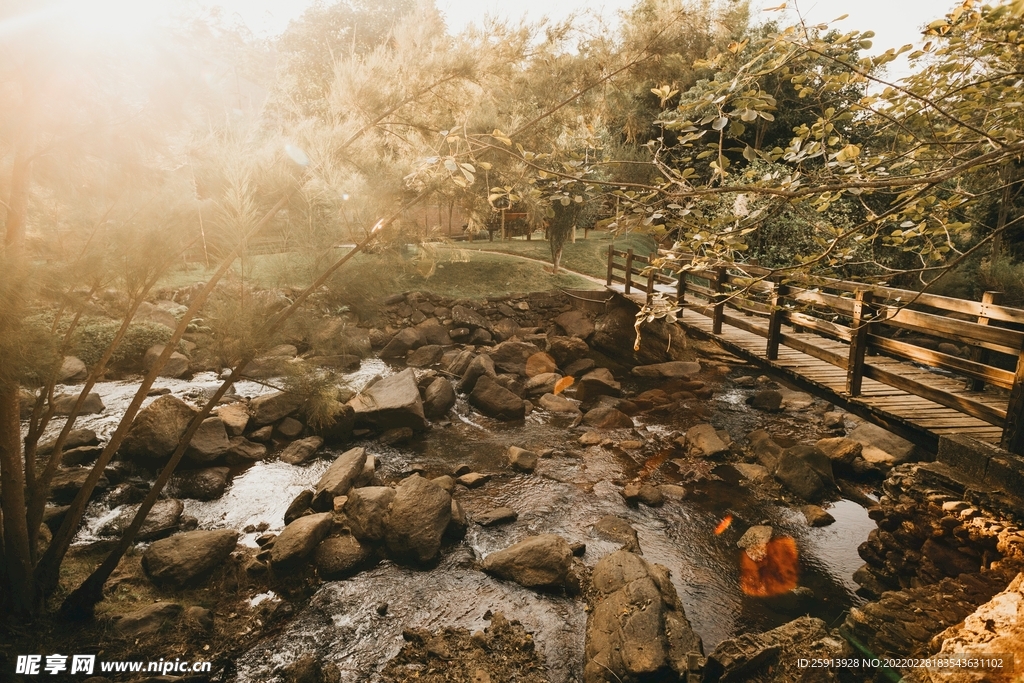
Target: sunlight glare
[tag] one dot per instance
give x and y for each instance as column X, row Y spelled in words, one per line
column 91, row 21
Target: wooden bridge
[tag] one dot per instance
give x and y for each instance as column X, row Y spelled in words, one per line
column 919, row 364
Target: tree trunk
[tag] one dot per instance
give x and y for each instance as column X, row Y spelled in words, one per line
column 21, row 586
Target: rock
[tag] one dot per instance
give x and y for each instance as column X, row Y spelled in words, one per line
column 395, row 435
column 544, row 383
column 557, row 404
column 580, row 367
column 992, row 630
column 883, row 448
column 637, row 630
column 643, row 493
column 512, row 356
column 755, row 537
column 480, row 337
column 480, row 366
column 605, row 417
column 205, row 484
column 565, row 350
column 162, row 520
column 703, row 441
column 774, row 656
column 540, row 364
column 446, row 482
column 402, row 343
column 472, row 480
column 494, row 400
column 339, row 557
column 289, row 428
column 764, row 448
column 298, row 507
column 424, row 356
column 593, row 438
column 536, row 562
column 618, row 530
column 439, row 399
column 241, row 450
column 392, row 402
column 459, row 362
column 64, row 403
column 147, row 312
column 176, row 365
column 522, row 460
column 342, row 473
column 340, row 430
column 840, row 450
column 298, row 540
column 197, row 617
column 458, row 523
column 751, row 472
column 235, row 417
column 816, row 516
column 433, row 333
column 805, row 471
column 834, row 420
column 80, row 455
column 72, row 370
column 184, row 558
column 365, row 510
column 209, row 442
column 416, row 520
column 598, row 382
column 502, row 515
column 298, row 452
column 157, row 429
column 148, row 620
column 76, row 438
column 575, row 324
column 676, row 369
column 263, row 434
column 766, row 399
column 467, row 317
column 66, row 484
column 505, row 329
column 270, row 408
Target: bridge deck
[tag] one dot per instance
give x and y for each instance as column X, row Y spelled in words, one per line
column 912, row 416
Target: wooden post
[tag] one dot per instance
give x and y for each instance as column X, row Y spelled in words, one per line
column 681, row 289
column 650, row 283
column 779, row 292
column 978, row 354
column 629, row 270
column 611, row 262
column 1013, row 428
column 719, row 315
column 862, row 315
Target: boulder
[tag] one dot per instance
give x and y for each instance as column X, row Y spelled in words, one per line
column 575, row 324
column 544, row 383
column 162, row 520
column 342, row 473
column 473, row 480
column 619, row 531
column 580, row 367
column 766, row 399
column 235, row 417
column 391, row 402
column 289, row 428
column 512, row 356
column 459, row 362
column 805, row 471
column 479, row 366
column 764, row 448
column 72, row 370
column 76, row 439
column 565, row 350
column 648, row 494
column 774, row 656
column 416, row 520
column 882, row 448
column 298, row 540
column 80, row 455
column 298, row 507
column 184, row 558
column 340, row 429
column 463, row 316
column 205, row 484
column 606, row 417
column 402, row 343
column 536, row 562
column 505, row 329
column 241, row 450
column 67, row 483
column 148, row 620
column 157, row 429
column 502, row 515
column 176, row 365
column 703, row 441
column 365, row 510
column 209, row 442
column 64, row 403
column 597, row 382
column 751, row 472
column 439, row 398
column 521, row 459
column 817, row 516
column 494, row 400
column 432, row 332
column 339, row 557
column 424, row 356
column 298, row 452
column 148, row 312
column 540, row 364
column 395, row 435
column 676, row 369
column 270, row 408
column 840, row 450
column 557, row 404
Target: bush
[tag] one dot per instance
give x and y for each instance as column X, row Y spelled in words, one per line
column 93, row 335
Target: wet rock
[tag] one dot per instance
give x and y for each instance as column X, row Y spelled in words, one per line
column 834, row 419
column 480, row 366
column 72, row 370
column 598, row 382
column 703, row 441
column 557, row 404
column 494, row 400
column 764, row 448
column 544, row 383
column 63, row 403
column 565, row 350
column 402, row 343
column 76, row 439
column 618, row 530
column 606, row 417
column 767, row 399
column 298, row 452
column 773, row 656
column 439, row 399
column 241, row 450
column 755, row 537
column 396, row 435
column 80, row 455
column 472, row 480
column 502, row 515
column 209, row 442
column 446, row 482
column 580, row 367
column 176, row 365
column 339, row 557
column 458, row 523
column 392, row 402
column 676, row 369
column 840, row 450
column 184, row 558
column 643, row 493
column 342, row 473
column 424, row 356
column 298, row 540
column 270, row 408
column 340, row 430
column 149, row 620
column 638, row 630
column 521, row 459
column 163, row 520
column 512, row 356
column 536, row 562
column 816, row 516
column 206, row 484
column 365, row 510
column 416, row 520
column 458, row 362
column 805, row 471
column 882, row 448
column 235, row 417
column 289, row 428
column 66, row 484
column 298, row 507
column 575, row 324
column 751, row 472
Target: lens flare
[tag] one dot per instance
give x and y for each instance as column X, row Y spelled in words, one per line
column 563, row 384
column 723, row 525
column 769, row 569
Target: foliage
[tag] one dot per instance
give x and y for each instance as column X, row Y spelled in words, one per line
column 93, row 335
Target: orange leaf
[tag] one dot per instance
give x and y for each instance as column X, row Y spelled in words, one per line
column 563, row 384
column 723, row 525
column 775, row 570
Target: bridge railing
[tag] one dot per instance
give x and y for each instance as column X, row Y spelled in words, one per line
column 978, row 341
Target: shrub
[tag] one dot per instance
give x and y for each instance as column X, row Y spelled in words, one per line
column 93, row 335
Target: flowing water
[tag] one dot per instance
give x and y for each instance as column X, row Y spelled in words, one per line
column 567, row 495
